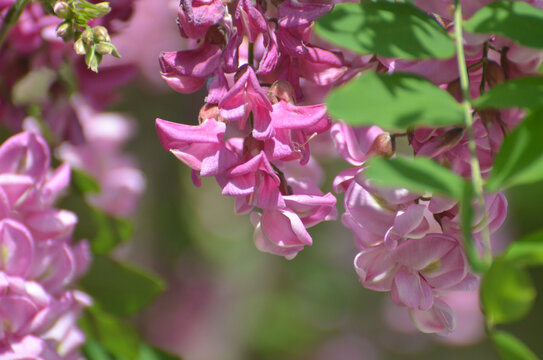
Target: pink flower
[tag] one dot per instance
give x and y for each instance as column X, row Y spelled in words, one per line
column 244, row 98
column 196, row 17
column 186, row 71
column 38, row 262
column 280, row 232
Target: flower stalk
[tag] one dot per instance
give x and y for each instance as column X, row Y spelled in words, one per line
column 476, row 178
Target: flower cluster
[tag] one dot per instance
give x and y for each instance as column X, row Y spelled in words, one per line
column 254, row 132
column 411, row 244
column 38, row 260
column 260, row 63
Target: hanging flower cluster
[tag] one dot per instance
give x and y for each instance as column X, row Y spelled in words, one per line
column 411, row 244
column 254, row 133
column 260, row 63
column 38, row 261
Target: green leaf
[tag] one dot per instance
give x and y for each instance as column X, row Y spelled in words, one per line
column 517, row 20
column 507, row 292
column 148, row 352
column 520, row 158
column 523, row 92
column 511, row 348
column 84, row 182
column 527, row 251
column 119, row 288
column 110, row 231
column 387, row 29
column 420, row 174
column 112, row 335
column 33, row 87
column 393, row 102
column 94, row 351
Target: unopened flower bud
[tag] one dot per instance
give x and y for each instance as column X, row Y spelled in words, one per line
column 209, row 111
column 79, row 47
column 103, row 49
column 494, row 74
column 100, row 34
column 63, row 10
column 281, row 90
column 383, row 145
column 64, row 31
column 86, row 37
column 102, row 9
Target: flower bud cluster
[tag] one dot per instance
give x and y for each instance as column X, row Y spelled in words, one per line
column 38, row 260
column 410, row 244
column 254, row 132
column 94, row 42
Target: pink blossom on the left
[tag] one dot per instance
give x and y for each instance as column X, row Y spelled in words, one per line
column 38, row 260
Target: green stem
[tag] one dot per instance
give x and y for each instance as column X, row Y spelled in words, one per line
column 251, row 54
column 476, row 178
column 483, row 76
column 11, row 18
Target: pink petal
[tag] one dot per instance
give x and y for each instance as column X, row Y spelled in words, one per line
column 439, row 319
column 416, row 254
column 16, row 248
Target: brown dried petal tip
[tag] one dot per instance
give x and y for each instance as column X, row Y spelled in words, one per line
column 494, row 74
column 281, row 90
column 209, row 111
column 455, row 90
column 216, row 35
column 240, row 72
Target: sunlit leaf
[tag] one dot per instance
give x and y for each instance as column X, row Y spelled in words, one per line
column 517, row 20
column 520, row 159
column 387, row 29
column 507, row 292
column 523, row 92
column 119, row 288
column 393, row 102
column 511, row 348
column 420, row 175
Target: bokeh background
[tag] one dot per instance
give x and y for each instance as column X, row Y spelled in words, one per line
column 225, row 300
